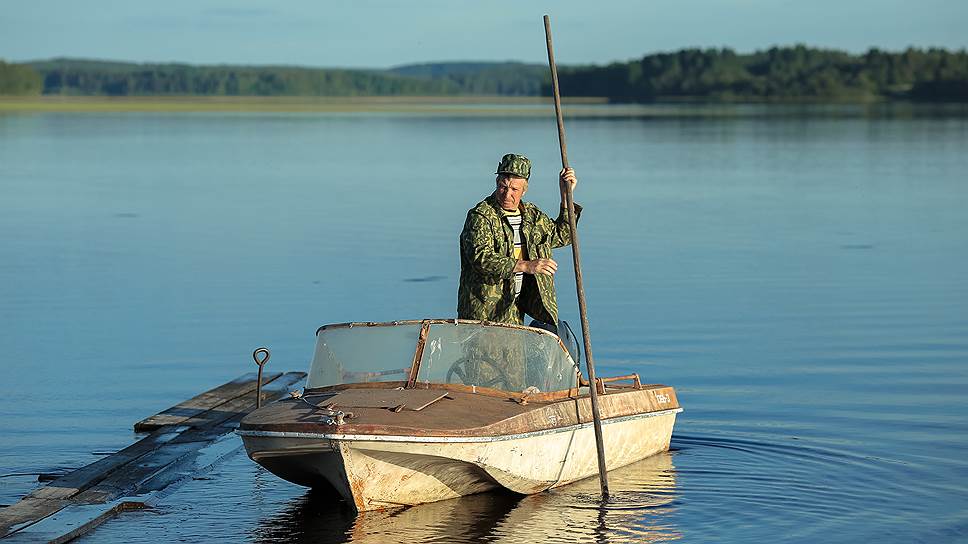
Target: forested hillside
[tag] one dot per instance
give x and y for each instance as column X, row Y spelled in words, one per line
column 17, row 79
column 790, row 73
column 713, row 75
column 80, row 77
column 505, row 78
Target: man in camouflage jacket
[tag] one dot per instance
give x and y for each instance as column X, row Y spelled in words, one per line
column 487, row 251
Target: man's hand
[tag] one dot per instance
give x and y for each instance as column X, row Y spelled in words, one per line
column 537, row 266
column 567, row 175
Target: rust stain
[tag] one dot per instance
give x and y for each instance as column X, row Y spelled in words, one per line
column 356, row 486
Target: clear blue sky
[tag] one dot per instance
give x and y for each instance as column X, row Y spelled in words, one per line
column 373, row 33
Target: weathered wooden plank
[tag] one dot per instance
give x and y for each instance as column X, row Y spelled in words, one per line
column 124, row 482
column 77, row 519
column 71, row 522
column 84, row 477
column 245, row 403
column 118, row 475
column 27, row 511
column 203, row 402
column 127, row 481
column 184, row 470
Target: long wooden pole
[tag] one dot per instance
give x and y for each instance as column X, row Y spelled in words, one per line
column 576, row 257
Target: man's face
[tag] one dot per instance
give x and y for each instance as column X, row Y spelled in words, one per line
column 509, row 191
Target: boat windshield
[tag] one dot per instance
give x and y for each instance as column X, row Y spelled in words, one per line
column 499, row 357
column 363, row 354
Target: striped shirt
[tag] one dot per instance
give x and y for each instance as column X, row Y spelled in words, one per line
column 514, row 218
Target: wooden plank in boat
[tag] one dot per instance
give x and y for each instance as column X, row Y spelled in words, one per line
column 203, row 402
column 411, row 399
column 426, row 404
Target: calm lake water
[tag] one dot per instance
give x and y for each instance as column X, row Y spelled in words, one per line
column 802, row 280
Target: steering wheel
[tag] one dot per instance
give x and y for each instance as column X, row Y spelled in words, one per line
column 469, row 372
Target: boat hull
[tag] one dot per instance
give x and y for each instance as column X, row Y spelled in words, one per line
column 379, row 471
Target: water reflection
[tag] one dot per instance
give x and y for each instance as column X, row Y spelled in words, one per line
column 642, row 497
column 748, row 278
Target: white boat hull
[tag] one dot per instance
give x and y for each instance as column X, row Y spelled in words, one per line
column 380, row 471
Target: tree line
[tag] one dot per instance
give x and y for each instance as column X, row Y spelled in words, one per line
column 779, row 74
column 795, row 73
column 78, row 77
column 19, row 79
column 99, row 78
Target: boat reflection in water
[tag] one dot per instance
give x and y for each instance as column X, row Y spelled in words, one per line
column 638, row 510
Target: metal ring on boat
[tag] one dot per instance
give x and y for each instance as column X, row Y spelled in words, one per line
column 258, row 382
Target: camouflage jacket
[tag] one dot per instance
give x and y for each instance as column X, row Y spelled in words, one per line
column 486, row 289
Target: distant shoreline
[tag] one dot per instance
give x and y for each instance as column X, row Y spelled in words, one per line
column 483, row 105
column 793, row 74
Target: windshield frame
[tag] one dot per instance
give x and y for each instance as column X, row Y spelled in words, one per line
column 425, row 324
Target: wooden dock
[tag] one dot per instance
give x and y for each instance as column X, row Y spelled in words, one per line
column 185, row 439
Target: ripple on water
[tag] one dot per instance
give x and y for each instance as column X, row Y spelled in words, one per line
column 805, row 492
column 707, row 488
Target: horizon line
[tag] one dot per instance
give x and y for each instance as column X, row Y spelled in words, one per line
column 961, row 50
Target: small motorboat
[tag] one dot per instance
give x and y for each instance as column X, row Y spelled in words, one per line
column 409, row 412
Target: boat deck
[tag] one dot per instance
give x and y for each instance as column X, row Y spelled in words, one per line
column 449, row 410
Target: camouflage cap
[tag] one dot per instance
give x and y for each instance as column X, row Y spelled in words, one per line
column 518, row 166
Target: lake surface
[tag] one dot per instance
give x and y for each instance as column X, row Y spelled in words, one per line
column 802, row 280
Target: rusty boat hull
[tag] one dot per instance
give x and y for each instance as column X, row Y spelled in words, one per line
column 400, row 447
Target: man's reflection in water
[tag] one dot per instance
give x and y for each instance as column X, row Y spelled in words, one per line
column 638, row 510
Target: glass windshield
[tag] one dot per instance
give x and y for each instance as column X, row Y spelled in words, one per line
column 363, row 354
column 497, row 357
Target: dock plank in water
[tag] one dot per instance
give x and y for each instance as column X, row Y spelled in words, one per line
column 71, row 522
column 204, row 429
column 94, row 493
column 203, row 402
column 74, row 482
